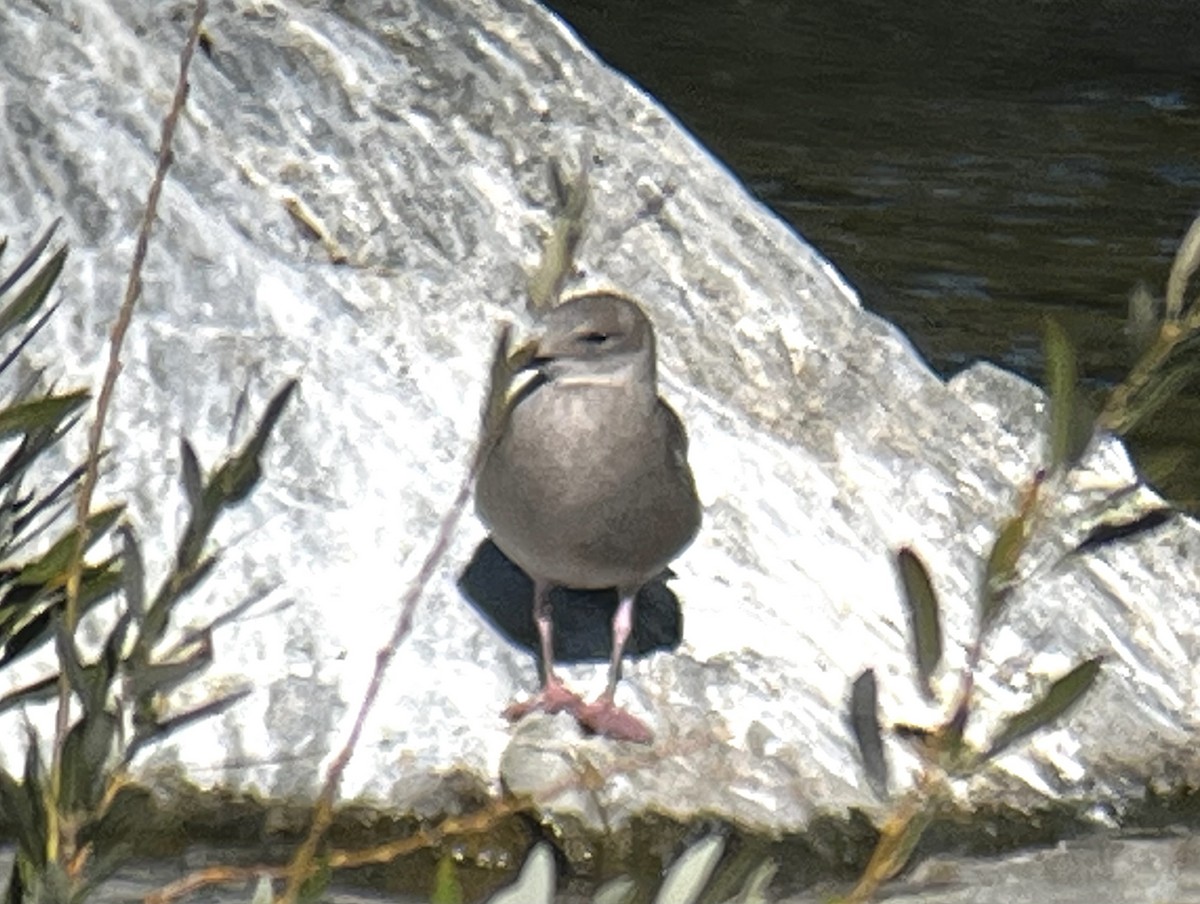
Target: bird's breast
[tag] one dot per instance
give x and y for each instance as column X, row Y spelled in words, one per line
column 584, row 488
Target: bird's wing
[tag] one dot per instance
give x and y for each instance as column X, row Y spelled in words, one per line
column 677, row 439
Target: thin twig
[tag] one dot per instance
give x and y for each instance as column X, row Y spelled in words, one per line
column 584, row 777
column 96, row 433
column 494, row 417
column 301, row 865
column 211, row 875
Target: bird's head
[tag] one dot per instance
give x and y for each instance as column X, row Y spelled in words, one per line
column 597, row 338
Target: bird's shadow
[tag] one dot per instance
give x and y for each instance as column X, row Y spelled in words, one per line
column 503, row 594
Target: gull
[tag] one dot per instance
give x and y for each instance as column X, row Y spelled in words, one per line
column 588, row 485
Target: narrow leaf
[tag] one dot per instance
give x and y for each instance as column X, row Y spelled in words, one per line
column 51, row 567
column 34, row 789
column 193, row 477
column 133, row 572
column 616, row 891
column 30, row 298
column 86, row 756
column 1067, row 440
column 19, row 816
column 923, row 617
column 30, row 259
column 30, row 334
column 162, row 677
column 68, row 657
column 1110, row 532
column 24, row 417
column 97, row 583
column 40, row 691
column 757, row 884
column 898, row 838
column 688, row 875
column 131, row 808
column 147, row 733
column 29, row 451
column 535, row 884
column 159, row 613
column 1060, row 697
column 101, row 868
column 1186, row 262
column 447, row 889
column 864, row 723
column 237, row 477
column 1000, row 573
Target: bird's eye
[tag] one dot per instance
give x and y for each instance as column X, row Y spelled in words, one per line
column 594, row 338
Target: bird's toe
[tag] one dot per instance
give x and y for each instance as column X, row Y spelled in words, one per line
column 553, row 698
column 605, row 718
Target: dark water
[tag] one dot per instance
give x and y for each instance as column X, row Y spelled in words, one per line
column 971, row 166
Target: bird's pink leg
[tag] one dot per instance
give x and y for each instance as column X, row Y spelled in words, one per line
column 554, row 696
column 603, row 716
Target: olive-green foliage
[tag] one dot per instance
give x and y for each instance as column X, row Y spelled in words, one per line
column 72, row 827
column 942, row 748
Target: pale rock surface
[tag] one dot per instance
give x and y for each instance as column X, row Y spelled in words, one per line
column 418, row 135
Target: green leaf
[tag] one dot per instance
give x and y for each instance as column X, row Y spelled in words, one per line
column 41, row 691
column 148, row 732
column 40, row 414
column 1000, row 574
column 559, row 246
column 1060, row 697
column 1185, row 264
column 1070, row 424
column 28, row 261
column 101, row 867
column 133, row 572
column 236, row 478
column 192, row 475
column 18, row 815
column 162, row 677
column 175, row 587
column 31, row 448
column 86, row 758
column 81, row 683
column 29, row 612
column 30, row 298
column 32, row 785
column 1061, row 379
column 1108, row 532
column 52, row 566
column 313, row 888
column 447, row 889
column 230, row 483
column 131, row 808
column 923, row 617
column 864, row 723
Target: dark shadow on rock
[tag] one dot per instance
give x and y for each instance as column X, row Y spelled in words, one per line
column 503, row 594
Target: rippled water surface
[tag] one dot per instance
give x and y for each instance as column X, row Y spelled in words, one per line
column 968, row 164
column 971, row 166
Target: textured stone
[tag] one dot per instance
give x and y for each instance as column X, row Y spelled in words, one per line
column 418, row 136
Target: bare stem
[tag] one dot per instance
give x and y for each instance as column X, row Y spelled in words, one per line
column 91, row 474
column 301, row 865
column 495, row 412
